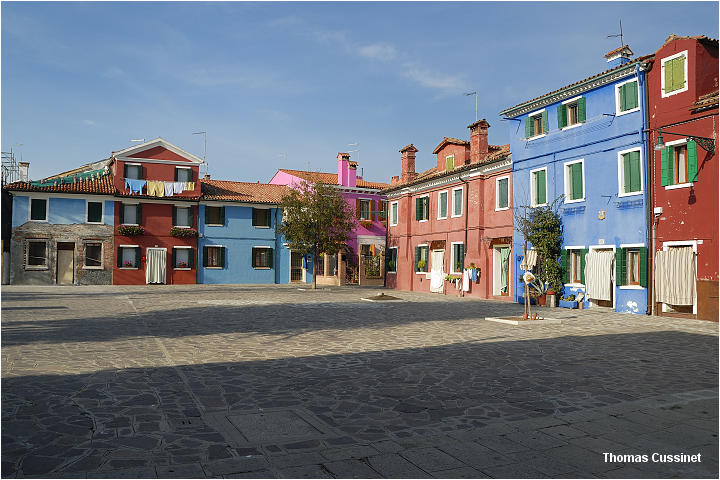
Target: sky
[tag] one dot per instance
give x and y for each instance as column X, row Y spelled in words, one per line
column 291, row 84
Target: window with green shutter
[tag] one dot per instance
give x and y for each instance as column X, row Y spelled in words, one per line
column 502, row 193
column 449, row 162
column 536, row 125
column 442, row 205
column 421, row 258
column 539, row 185
column 574, row 181
column 38, row 209
column 422, row 205
column 631, row 173
column 678, row 164
column 262, row 257
column 628, row 96
column 94, row 212
column 674, row 74
column 458, row 257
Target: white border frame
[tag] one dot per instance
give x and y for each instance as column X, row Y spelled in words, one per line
column 428, row 216
column 682, row 141
column 497, row 270
column 619, row 113
column 102, row 255
column 683, row 243
column 613, row 280
column 302, row 269
column 574, row 125
column 371, row 200
column 396, row 204
column 566, row 184
column 181, row 247
column 634, row 246
column 133, row 246
column 497, row 193
column 452, row 259
column 47, row 209
column 663, row 61
column 427, row 262
column 572, row 284
column 447, row 204
column 621, row 173
column 535, row 114
column 102, row 210
column 462, row 199
column 397, row 250
column 533, row 194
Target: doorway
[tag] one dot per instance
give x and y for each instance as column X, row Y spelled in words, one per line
column 156, row 265
column 437, row 274
column 297, row 272
column 605, row 303
column 501, row 270
column 65, row 263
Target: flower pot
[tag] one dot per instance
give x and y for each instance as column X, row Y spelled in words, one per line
column 550, row 299
column 568, row 304
column 541, row 300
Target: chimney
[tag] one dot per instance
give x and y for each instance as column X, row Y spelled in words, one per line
column 23, row 168
column 394, row 180
column 407, row 174
column 347, row 170
column 206, row 177
column 619, row 56
column 478, row 140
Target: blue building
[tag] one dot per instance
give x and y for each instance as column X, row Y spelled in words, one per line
column 584, row 144
column 238, row 241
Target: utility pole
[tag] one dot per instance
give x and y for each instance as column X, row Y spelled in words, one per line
column 476, row 110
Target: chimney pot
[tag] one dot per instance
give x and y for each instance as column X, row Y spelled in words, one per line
column 23, row 171
column 478, row 140
column 206, row 176
column 407, row 173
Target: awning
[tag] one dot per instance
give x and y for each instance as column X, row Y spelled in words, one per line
column 529, row 261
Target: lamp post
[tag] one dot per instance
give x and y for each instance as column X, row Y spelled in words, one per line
column 707, row 143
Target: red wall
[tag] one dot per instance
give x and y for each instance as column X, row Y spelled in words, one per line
column 461, row 152
column 158, row 171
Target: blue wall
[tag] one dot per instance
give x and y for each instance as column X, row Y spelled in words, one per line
column 61, row 211
column 598, row 141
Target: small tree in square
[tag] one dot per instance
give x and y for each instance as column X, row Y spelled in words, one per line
column 316, row 219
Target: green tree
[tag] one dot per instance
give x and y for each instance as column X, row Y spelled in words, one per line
column 316, row 219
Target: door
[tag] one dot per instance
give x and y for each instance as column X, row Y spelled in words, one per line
column 437, row 273
column 297, row 272
column 65, row 263
column 501, row 271
column 156, row 265
column 606, row 303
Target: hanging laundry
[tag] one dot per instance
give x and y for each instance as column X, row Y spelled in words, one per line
column 466, row 280
column 178, row 187
column 190, row 186
column 372, row 250
column 135, row 186
column 474, row 275
column 169, row 188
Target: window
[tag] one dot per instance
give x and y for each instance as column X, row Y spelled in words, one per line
column 630, row 172
column 183, row 258
column 363, row 208
column 571, row 112
column 129, row 256
column 536, row 124
column 422, row 208
column 183, row 174
column 442, row 205
column 538, row 187
column 262, row 257
column 673, row 78
column 182, row 217
column 214, row 256
column 133, row 171
column 678, row 163
column 631, row 266
column 94, row 212
column 457, row 208
column 391, row 260
column 394, row 206
column 421, row 258
column 573, row 265
column 93, row 255
column 502, row 196
column 458, row 257
column 130, row 214
column 449, row 162
column 214, row 215
column 626, row 97
column 261, row 217
column 382, row 214
column 39, row 209
column 574, row 182
column 36, row 254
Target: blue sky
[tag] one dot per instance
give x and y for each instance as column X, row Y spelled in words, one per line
column 288, row 85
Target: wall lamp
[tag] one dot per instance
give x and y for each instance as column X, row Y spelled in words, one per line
column 705, row 142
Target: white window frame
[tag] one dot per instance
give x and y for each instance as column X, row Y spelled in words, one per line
column 427, row 261
column 497, row 193
column 135, row 204
column 535, row 114
column 566, row 177
column 134, row 164
column 47, row 254
column 663, row 94
column 684, row 243
column 394, row 205
column 428, row 213
column 181, row 247
column 452, row 256
column 575, row 247
column 394, row 271
column 675, row 143
column 613, row 280
column 47, row 209
column 102, row 255
column 633, row 246
column 185, row 168
column 447, row 204
column 453, row 161
column 533, row 193
column 618, row 112
column 189, row 216
column 252, row 252
column 102, row 212
column 567, row 102
column 213, row 246
column 452, row 214
column 621, row 173
column 129, row 268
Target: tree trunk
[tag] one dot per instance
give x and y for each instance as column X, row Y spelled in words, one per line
column 314, row 265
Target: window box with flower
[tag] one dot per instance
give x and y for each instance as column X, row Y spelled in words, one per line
column 130, row 230
column 183, row 232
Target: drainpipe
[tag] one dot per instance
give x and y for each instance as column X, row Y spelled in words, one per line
column 650, row 168
column 276, row 264
column 465, row 245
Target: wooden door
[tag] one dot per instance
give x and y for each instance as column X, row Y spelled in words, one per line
column 65, row 263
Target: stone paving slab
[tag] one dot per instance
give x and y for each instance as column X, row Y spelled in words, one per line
column 132, row 382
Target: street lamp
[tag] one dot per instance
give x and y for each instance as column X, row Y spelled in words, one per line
column 707, row 143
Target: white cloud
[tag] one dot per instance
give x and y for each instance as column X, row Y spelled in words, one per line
column 90, row 123
column 433, row 79
column 378, row 51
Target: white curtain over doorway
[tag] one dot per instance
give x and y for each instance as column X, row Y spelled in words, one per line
column 437, row 275
column 598, row 275
column 156, row 265
column 675, row 276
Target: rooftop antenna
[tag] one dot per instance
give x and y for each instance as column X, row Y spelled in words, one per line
column 204, row 134
column 473, row 93
column 138, row 140
column 357, row 150
column 622, row 41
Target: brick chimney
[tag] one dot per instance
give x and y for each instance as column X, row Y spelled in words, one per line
column 23, row 171
column 407, row 174
column 347, row 170
column 478, row 140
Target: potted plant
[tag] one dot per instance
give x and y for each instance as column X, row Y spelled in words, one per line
column 183, row 232
column 128, row 264
column 538, row 290
column 568, row 301
column 366, row 223
column 130, row 230
column 421, row 265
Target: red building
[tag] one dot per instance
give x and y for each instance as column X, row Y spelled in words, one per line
column 683, row 123
column 452, row 216
column 159, row 189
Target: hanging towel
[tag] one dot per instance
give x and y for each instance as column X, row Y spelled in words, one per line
column 169, row 188
column 466, row 281
column 530, row 260
column 190, row 186
column 474, row 274
column 505, row 268
column 437, row 279
column 599, row 274
column 135, row 186
column 178, row 187
column 155, row 188
column 675, row 276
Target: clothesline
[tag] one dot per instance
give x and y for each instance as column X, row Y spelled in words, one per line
column 157, row 188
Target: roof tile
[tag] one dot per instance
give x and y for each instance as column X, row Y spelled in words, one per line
column 331, row 178
column 242, row 191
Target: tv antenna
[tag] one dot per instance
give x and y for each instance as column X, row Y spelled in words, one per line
column 357, row 150
column 468, row 94
column 622, row 41
column 204, row 134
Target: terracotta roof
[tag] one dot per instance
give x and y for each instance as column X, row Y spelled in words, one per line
column 330, row 178
column 431, row 173
column 637, row 60
column 97, row 186
column 242, row 191
column 618, row 51
column 706, row 101
column 700, row 38
column 451, row 140
column 408, row 147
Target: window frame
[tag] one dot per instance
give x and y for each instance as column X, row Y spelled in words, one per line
column 427, row 216
column 85, row 256
column 260, row 247
column 446, row 192
column 189, row 216
column 133, row 164
column 498, row 208
column 567, row 176
column 674, row 144
column 369, row 202
column 137, row 267
column 102, row 212
column 268, row 214
column 665, row 60
column 214, row 267
column 46, row 265
column 205, row 215
column 575, row 262
column 621, row 173
column 394, row 270
column 453, row 260
column 47, row 209
column 452, row 214
column 427, row 259
column 188, row 169
column 618, row 110
column 394, row 206
column 570, row 102
column 134, row 205
column 452, row 158
column 174, row 255
column 533, row 115
column 533, row 192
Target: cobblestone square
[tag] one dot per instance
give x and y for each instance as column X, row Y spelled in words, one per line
column 279, row 382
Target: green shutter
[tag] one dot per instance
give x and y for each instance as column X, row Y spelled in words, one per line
column 139, row 214
column 205, row 256
column 678, row 73
column 191, row 258
column 417, row 258
column 121, row 215
column 643, row 266
column 119, row 257
column 622, row 97
column 564, row 264
column 561, row 116
column 461, row 256
column 449, row 163
column 668, row 76
column 207, row 217
column 627, row 172
column 252, row 257
column 270, row 258
column 620, row 269
column 174, row 257
column 254, row 217
column 503, row 203
column 418, row 209
column 581, row 109
column 666, row 166
column 174, row 215
column 222, row 215
column 540, row 186
column 577, row 183
column 38, row 209
column 176, row 174
column 545, row 124
column 635, row 171
column 692, row 161
column 138, row 256
column 529, row 130
column 94, row 212
column 125, row 170
column 583, row 252
column 221, row 260
column 631, row 95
